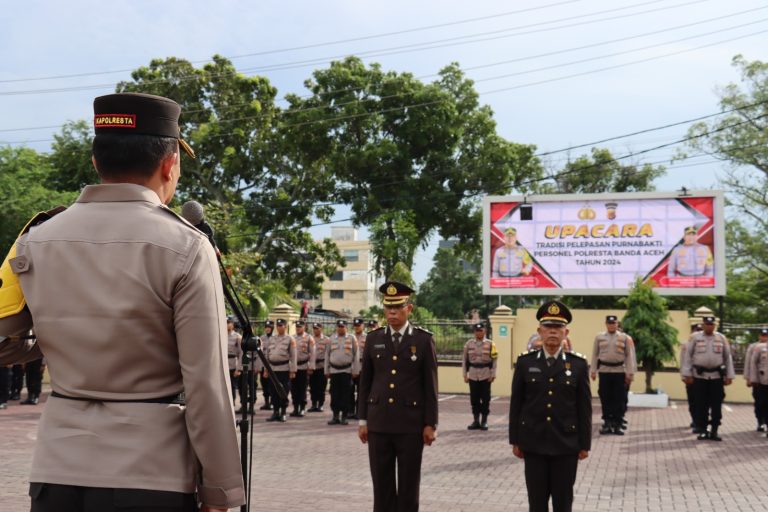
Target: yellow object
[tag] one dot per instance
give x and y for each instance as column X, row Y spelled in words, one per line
column 12, row 300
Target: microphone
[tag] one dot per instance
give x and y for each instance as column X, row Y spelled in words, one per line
column 192, row 211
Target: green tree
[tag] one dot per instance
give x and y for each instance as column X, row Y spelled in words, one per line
column 601, row 172
column 450, row 291
column 410, row 158
column 71, row 158
column 23, row 193
column 646, row 320
column 739, row 137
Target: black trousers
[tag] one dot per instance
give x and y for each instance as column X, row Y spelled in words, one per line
column 17, row 378
column 353, row 395
column 33, row 372
column 70, row 498
column 285, row 379
column 691, row 407
column 265, row 391
column 387, row 452
column 299, row 388
column 341, row 383
column 5, row 384
column 234, row 382
column 480, row 396
column 317, row 384
column 612, row 392
column 760, row 392
column 550, row 476
column 708, row 395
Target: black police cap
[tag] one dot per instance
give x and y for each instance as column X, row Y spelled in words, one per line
column 317, row 325
column 269, row 323
column 395, row 293
column 341, row 323
column 358, row 321
column 479, row 326
column 372, row 323
column 611, row 319
column 763, row 331
column 708, row 320
column 133, row 113
column 280, row 321
column 554, row 313
column 300, row 323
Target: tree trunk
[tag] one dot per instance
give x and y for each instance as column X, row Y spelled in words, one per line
column 648, row 377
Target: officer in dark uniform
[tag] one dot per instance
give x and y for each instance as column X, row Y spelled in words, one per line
column 33, row 374
column 358, row 326
column 269, row 326
column 550, row 413
column 397, row 402
column 17, row 381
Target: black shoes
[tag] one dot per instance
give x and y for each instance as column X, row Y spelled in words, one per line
column 31, row 400
column 484, row 423
column 335, row 420
column 295, row 413
column 265, row 407
column 475, row 425
column 16, row 395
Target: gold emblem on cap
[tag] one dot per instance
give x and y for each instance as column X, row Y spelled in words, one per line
column 391, row 290
column 553, row 309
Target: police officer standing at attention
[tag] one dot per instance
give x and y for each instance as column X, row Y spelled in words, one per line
column 317, row 380
column 305, row 347
column 756, row 375
column 398, row 402
column 478, row 365
column 140, row 412
column 281, row 353
column 269, row 327
column 708, row 366
column 235, row 358
column 614, row 360
column 341, row 365
column 550, row 413
column 358, row 324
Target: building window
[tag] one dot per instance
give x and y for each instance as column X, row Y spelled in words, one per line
column 351, row 255
column 337, row 276
column 337, row 294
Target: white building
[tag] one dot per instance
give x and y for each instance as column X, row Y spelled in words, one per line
column 353, row 287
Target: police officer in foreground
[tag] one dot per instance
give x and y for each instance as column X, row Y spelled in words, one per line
column 707, row 365
column 318, row 381
column 134, row 331
column 613, row 359
column 305, row 347
column 341, row 365
column 478, row 365
column 398, row 402
column 756, row 374
column 550, row 413
column 282, row 356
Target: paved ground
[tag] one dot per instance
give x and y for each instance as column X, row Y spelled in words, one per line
column 306, row 465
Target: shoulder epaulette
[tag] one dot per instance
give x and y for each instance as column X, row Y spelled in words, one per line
column 181, row 219
column 582, row 356
column 528, row 352
column 422, row 329
column 376, row 329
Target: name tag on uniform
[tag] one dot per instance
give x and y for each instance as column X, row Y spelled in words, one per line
column 380, row 346
column 533, row 369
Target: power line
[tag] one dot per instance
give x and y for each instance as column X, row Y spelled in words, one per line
column 327, row 43
column 325, row 59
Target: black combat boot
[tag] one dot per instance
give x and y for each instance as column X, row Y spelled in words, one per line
column 266, row 406
column 31, row 400
column 295, row 412
column 713, row 435
column 275, row 415
column 320, row 407
column 703, row 434
column 335, row 419
column 616, row 429
column 606, row 428
column 302, row 411
column 475, row 425
column 16, row 395
column 281, row 418
column 344, row 419
column 314, row 407
column 484, row 423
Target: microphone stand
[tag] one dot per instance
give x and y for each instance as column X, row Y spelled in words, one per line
column 251, row 346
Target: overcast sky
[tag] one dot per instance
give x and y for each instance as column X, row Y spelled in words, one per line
column 556, row 73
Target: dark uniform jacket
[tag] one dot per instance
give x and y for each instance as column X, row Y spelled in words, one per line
column 398, row 388
column 550, row 411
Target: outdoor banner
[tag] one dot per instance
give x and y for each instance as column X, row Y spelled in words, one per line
column 599, row 244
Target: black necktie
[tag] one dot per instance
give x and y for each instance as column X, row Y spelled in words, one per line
column 396, row 336
column 550, row 361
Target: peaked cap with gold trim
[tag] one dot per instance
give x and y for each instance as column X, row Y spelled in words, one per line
column 555, row 313
column 395, row 293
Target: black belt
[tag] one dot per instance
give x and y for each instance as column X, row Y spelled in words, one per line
column 232, row 356
column 702, row 369
column 279, row 363
column 177, row 399
column 612, row 365
column 481, row 365
column 302, row 362
column 341, row 366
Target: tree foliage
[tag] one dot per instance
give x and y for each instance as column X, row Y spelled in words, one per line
column 450, row 291
column 23, row 192
column 410, row 158
column 646, row 320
